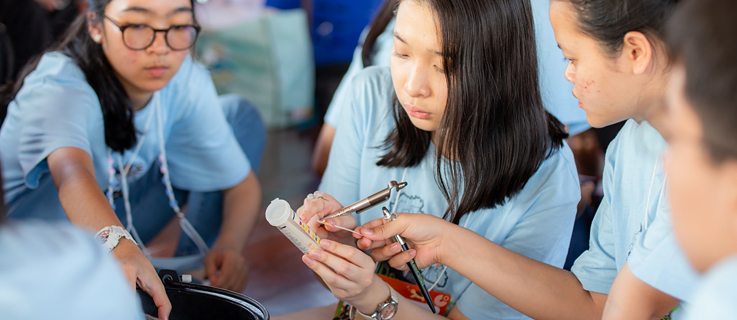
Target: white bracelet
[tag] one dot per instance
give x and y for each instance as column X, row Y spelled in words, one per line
column 110, row 236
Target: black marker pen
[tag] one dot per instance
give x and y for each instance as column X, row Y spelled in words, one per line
column 411, row 264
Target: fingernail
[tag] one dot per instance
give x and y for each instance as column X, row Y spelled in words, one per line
column 396, row 247
column 325, row 243
column 307, row 261
column 367, row 231
column 413, row 253
column 315, row 254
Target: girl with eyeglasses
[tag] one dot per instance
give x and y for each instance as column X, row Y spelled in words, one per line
column 119, row 131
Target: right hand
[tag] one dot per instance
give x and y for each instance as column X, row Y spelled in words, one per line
column 426, row 234
column 139, row 271
column 316, row 209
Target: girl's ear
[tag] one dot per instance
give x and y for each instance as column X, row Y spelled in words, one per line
column 94, row 27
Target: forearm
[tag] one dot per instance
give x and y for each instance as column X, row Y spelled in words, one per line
column 630, row 298
column 240, row 213
column 84, row 203
column 534, row 288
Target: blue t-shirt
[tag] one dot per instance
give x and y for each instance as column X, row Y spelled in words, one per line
column 57, row 108
column 554, row 88
column 536, row 223
column 55, row 271
column 716, row 296
column 632, row 179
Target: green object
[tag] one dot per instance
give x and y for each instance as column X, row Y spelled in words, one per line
column 267, row 60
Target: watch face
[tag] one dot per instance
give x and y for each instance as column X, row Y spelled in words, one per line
column 388, row 311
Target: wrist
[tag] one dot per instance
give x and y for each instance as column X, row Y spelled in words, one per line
column 377, row 293
column 229, row 243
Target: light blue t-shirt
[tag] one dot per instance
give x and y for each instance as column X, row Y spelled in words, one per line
column 716, row 296
column 556, row 91
column 632, row 180
column 55, row 271
column 536, row 223
column 57, row 108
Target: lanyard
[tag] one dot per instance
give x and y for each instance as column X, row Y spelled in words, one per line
column 187, row 227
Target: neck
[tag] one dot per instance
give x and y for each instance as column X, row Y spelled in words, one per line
column 139, row 98
column 654, row 107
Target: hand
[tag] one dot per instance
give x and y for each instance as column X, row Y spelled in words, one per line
column 349, row 274
column 226, row 268
column 424, row 233
column 139, row 271
column 314, row 210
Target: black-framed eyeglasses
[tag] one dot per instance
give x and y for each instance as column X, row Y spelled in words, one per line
column 140, row 36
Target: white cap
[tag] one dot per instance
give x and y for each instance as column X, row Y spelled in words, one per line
column 278, row 212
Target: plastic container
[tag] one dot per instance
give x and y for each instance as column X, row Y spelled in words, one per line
column 280, row 215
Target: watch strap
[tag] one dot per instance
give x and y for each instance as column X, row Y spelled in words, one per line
column 375, row 316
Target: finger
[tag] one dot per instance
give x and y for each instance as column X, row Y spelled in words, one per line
column 242, row 278
column 211, row 268
column 386, row 252
column 332, row 279
column 388, row 230
column 339, row 265
column 319, row 207
column 347, row 253
column 226, row 272
column 152, row 285
column 366, row 244
column 374, row 223
column 400, row 260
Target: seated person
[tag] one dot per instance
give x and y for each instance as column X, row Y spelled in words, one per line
column 493, row 161
column 619, row 71
column 56, row 271
column 118, row 126
column 702, row 162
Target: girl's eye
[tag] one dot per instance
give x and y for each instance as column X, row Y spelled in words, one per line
column 137, row 26
column 438, row 69
column 401, row 56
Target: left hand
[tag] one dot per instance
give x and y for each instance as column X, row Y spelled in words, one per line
column 226, row 268
column 349, row 273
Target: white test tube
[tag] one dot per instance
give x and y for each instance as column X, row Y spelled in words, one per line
column 280, row 215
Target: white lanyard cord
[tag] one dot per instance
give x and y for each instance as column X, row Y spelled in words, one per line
column 187, row 227
column 646, row 221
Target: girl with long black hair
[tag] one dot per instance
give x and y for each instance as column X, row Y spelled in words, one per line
column 459, row 116
column 117, row 128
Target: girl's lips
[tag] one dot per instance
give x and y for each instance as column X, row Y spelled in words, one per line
column 156, row 72
column 416, row 112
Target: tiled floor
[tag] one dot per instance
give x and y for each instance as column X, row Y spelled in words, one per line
column 278, row 278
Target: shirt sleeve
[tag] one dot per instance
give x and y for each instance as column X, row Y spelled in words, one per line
column 596, row 268
column 659, row 261
column 342, row 97
column 548, row 209
column 55, row 106
column 342, row 176
column 202, row 151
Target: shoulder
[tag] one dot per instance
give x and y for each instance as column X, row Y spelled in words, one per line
column 56, row 69
column 191, row 74
column 717, row 293
column 35, row 240
column 372, row 91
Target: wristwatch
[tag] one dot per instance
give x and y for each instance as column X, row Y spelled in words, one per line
column 110, row 236
column 385, row 311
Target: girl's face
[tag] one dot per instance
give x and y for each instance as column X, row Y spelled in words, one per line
column 150, row 69
column 702, row 191
column 417, row 65
column 610, row 89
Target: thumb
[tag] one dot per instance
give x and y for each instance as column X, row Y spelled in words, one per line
column 212, row 263
column 385, row 231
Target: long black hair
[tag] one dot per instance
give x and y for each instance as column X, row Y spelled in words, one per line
column 117, row 108
column 494, row 128
column 608, row 21
column 701, row 35
column 377, row 27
